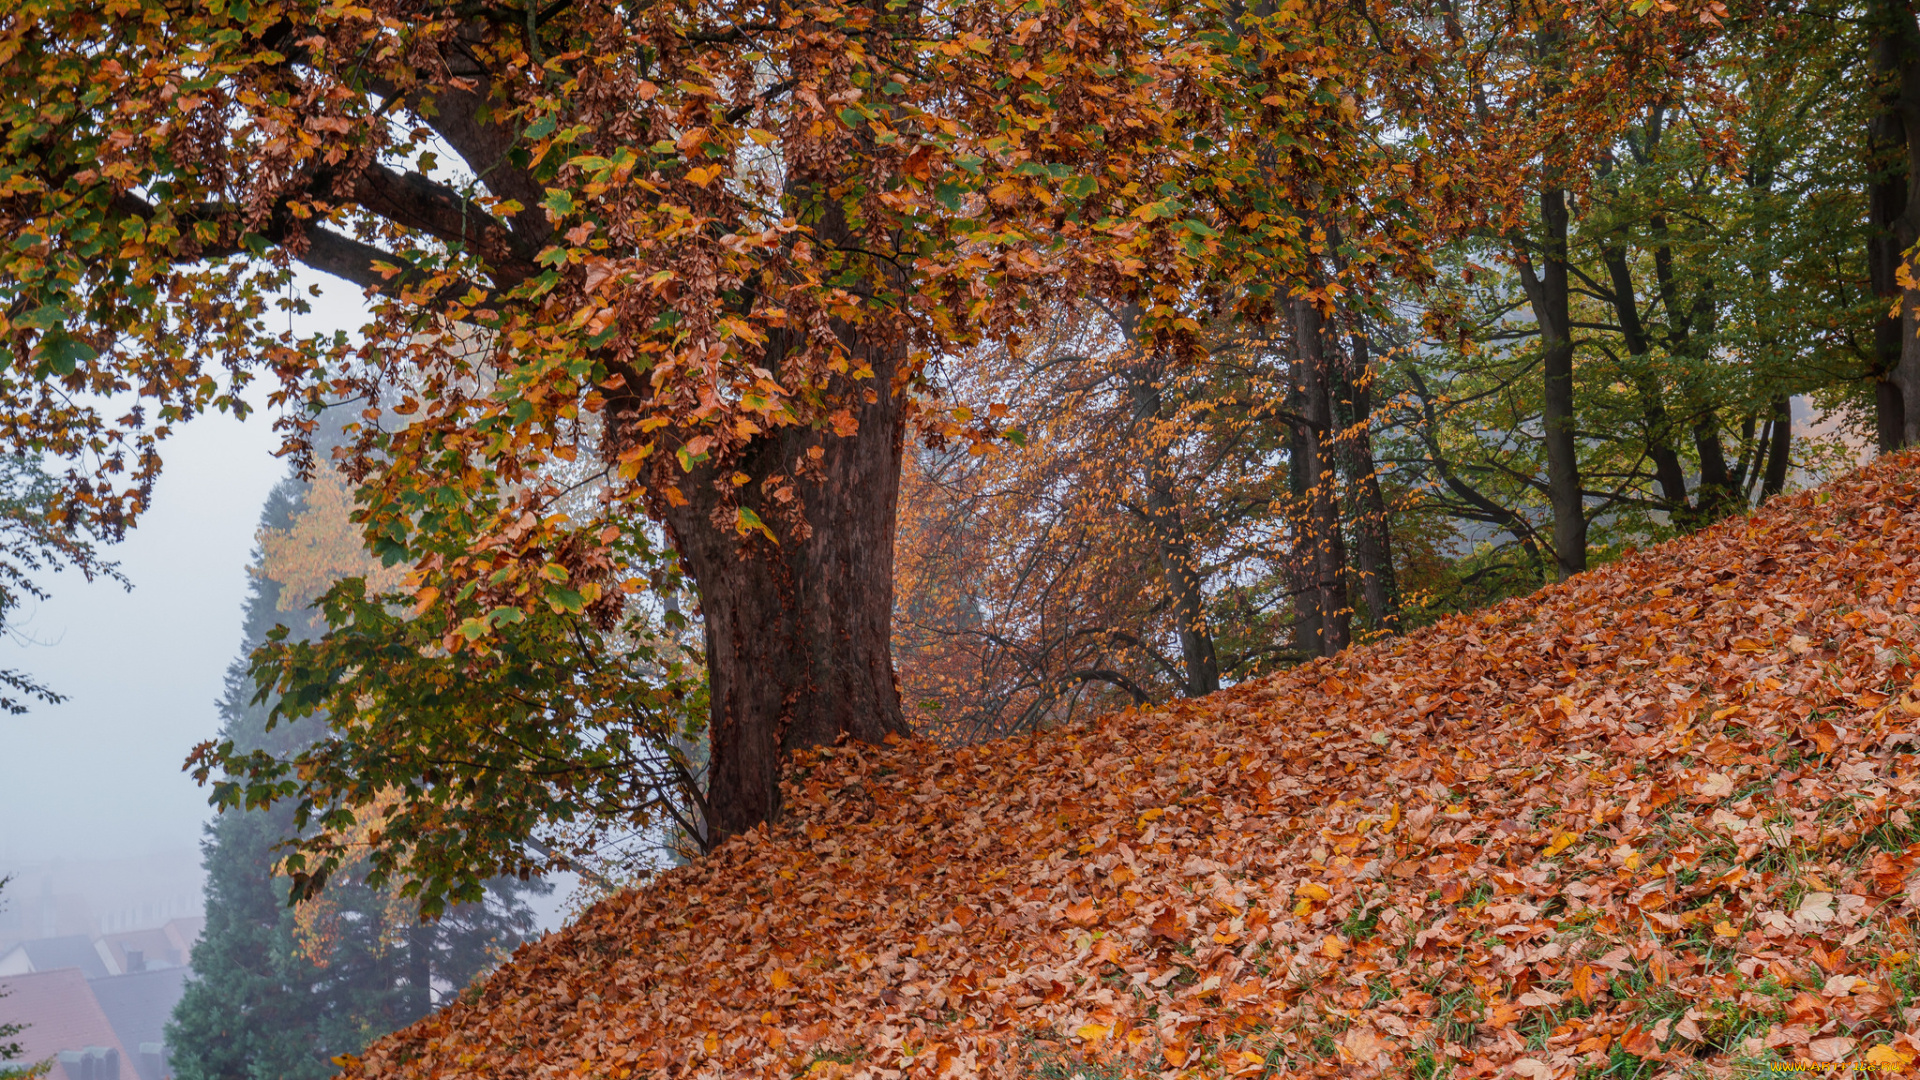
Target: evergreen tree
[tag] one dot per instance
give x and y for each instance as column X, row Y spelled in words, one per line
column 278, row 992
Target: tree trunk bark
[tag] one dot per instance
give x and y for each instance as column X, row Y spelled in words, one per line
column 1373, row 534
column 1548, row 295
column 1779, row 443
column 1891, row 209
column 1668, row 472
column 1199, row 660
column 419, row 973
column 798, row 631
column 1318, row 524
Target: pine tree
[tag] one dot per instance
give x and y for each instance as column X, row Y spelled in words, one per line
column 278, row 992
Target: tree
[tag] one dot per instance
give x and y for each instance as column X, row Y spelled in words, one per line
column 711, row 254
column 1122, row 551
column 279, row 991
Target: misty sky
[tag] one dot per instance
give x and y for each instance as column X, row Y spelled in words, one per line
column 99, row 776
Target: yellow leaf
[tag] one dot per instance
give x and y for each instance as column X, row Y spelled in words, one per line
column 780, row 979
column 1887, row 1057
column 1561, row 842
column 1725, row 929
column 1093, row 1033
column 1308, row 890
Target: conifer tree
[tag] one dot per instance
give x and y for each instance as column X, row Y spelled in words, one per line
column 278, row 992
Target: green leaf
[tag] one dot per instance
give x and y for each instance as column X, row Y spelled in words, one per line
column 852, row 117
column 1081, row 186
column 44, row 317
column 542, row 127
column 560, row 202
column 594, row 341
column 64, row 353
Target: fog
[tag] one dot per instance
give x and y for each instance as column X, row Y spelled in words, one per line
column 98, row 776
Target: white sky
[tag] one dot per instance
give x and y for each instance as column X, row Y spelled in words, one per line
column 99, row 775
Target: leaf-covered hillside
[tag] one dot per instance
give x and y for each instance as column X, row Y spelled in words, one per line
column 1652, row 822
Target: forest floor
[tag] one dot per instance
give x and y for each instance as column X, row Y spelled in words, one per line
column 1652, row 822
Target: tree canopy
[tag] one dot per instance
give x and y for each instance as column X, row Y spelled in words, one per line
column 1376, row 310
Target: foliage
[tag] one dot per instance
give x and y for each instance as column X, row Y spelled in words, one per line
column 562, row 730
column 642, row 223
column 1714, row 266
column 1650, row 819
column 34, row 538
column 278, row 990
column 1128, row 548
column 319, row 548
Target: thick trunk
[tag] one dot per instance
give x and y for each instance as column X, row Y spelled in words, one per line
column 1373, row 536
column 798, row 632
column 1548, row 295
column 1886, row 203
column 1351, row 377
column 1308, row 627
column 1892, row 210
column 1197, row 654
column 1322, row 565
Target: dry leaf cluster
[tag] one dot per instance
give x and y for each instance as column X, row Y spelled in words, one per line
column 1660, row 812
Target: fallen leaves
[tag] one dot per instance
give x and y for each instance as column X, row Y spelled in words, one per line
column 1201, row 889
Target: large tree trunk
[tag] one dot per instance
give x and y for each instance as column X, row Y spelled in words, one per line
column 1892, row 208
column 1320, row 551
column 798, row 632
column 1548, row 295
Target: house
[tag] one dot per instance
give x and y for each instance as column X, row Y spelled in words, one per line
column 65, row 1025
column 52, row 954
column 98, row 1007
column 140, row 950
column 137, row 1006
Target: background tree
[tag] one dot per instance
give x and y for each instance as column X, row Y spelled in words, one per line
column 279, row 991
column 1714, row 269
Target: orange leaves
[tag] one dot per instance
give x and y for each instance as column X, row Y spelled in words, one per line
column 1151, row 890
column 1167, row 925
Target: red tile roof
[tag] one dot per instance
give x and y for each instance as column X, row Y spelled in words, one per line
column 61, row 1013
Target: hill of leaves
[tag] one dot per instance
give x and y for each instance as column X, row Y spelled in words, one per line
column 1651, row 822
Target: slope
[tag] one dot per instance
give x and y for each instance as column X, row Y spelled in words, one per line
column 1655, row 821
